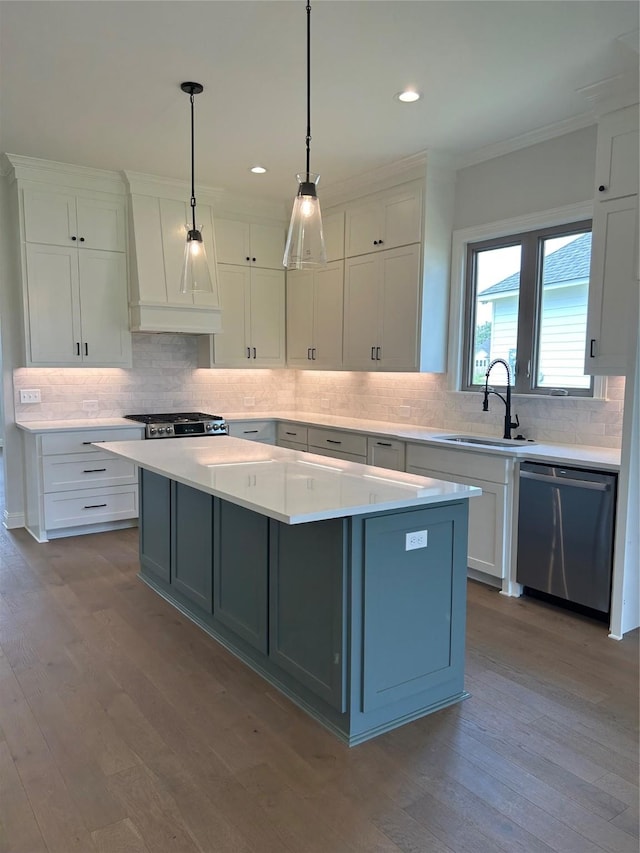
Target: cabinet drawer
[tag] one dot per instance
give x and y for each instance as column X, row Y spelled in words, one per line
column 458, row 462
column 80, row 442
column 264, row 431
column 333, row 439
column 77, row 471
column 90, row 506
column 292, row 445
column 292, row 432
column 386, row 453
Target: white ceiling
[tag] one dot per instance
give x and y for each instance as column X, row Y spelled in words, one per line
column 97, row 83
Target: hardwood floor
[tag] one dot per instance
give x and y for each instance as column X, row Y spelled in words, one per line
column 124, row 728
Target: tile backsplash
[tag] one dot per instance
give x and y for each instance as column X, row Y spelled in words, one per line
column 164, row 378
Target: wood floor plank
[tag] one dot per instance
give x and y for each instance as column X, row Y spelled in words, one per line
column 120, row 837
column 19, row 830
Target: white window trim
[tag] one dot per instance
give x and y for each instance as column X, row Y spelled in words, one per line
column 488, row 231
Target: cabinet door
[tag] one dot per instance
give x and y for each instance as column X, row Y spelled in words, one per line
column 617, row 155
column 231, row 346
column 267, row 246
column 233, row 241
column 402, row 218
column 101, row 223
column 410, row 605
column 192, row 558
column 361, row 295
column 327, row 316
column 400, row 304
column 106, row 340
column 155, row 524
column 363, row 226
column 300, row 297
column 266, row 335
column 307, row 605
column 50, row 217
column 241, row 572
column 613, row 277
column 53, row 305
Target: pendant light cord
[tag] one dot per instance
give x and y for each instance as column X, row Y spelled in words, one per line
column 193, row 191
column 308, row 84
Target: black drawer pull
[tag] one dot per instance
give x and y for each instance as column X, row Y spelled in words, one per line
column 249, row 431
column 77, row 348
column 373, row 353
column 86, row 349
column 93, row 470
column 94, row 506
column 291, row 433
column 333, row 441
column 591, row 348
column 94, row 442
column 384, row 444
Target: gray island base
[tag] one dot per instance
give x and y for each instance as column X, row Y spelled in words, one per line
column 359, row 619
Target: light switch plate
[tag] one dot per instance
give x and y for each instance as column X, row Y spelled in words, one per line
column 30, row 395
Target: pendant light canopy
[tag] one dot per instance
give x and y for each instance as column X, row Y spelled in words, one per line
column 305, row 241
column 196, row 275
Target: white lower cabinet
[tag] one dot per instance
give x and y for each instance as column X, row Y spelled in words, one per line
column 263, row 431
column 73, row 488
column 350, row 446
column 490, row 515
column 386, row 453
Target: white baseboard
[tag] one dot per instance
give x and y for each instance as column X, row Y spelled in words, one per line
column 13, row 520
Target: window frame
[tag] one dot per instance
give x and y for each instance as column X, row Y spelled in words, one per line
column 529, row 306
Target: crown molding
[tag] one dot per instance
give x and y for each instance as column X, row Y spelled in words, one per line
column 408, row 169
column 222, row 201
column 21, row 167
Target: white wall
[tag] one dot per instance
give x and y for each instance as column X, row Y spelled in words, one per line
column 545, row 176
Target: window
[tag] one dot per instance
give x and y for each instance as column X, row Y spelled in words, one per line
column 526, row 302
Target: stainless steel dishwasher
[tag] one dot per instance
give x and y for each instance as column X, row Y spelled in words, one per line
column 565, row 533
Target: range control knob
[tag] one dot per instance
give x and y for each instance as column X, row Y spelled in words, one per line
column 208, row 427
column 169, row 430
column 152, row 430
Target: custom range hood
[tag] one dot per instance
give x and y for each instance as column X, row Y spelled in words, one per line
column 158, row 218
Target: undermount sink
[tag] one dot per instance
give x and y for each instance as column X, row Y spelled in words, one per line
column 487, row 441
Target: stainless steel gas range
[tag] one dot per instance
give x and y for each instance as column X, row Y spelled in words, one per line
column 180, row 424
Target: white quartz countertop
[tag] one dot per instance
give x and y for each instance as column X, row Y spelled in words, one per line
column 77, row 424
column 287, row 485
column 563, row 454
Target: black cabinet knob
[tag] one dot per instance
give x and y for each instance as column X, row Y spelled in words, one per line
column 380, row 242
column 601, row 188
column 74, row 238
column 375, row 242
column 82, row 239
column 253, row 260
column 247, row 258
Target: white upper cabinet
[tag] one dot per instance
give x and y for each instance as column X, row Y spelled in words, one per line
column 314, row 317
column 248, row 243
column 384, row 220
column 65, row 219
column 73, row 263
column 617, row 155
column 611, row 320
column 253, row 310
column 381, row 310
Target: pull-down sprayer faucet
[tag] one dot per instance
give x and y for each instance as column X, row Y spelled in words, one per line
column 508, row 424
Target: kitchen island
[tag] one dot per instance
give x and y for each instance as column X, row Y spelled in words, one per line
column 343, row 585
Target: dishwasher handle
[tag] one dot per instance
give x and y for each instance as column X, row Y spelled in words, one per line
column 565, row 481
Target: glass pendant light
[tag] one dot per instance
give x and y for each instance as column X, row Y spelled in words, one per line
column 196, row 275
column 305, row 241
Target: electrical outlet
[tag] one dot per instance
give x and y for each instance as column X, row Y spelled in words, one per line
column 30, row 395
column 249, row 401
column 416, row 539
column 90, row 405
column 324, row 403
column 404, row 411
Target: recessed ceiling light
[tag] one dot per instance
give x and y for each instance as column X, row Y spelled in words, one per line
column 408, row 96
column 258, row 170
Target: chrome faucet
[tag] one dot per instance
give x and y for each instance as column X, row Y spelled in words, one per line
column 508, row 424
